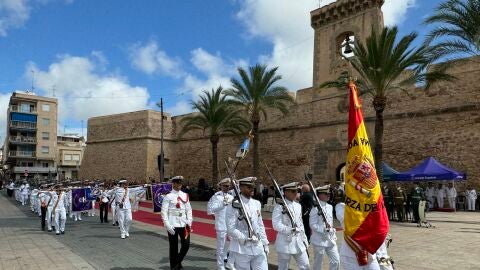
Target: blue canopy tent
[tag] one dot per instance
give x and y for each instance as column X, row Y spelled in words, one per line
column 389, row 173
column 431, row 170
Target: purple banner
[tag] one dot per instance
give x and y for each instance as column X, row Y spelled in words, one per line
column 79, row 200
column 158, row 192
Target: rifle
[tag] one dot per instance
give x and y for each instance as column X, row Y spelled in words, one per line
column 321, row 211
column 241, row 207
column 286, row 210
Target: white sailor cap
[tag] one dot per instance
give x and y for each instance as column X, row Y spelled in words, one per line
column 224, row 181
column 177, row 179
column 123, row 181
column 323, row 189
column 290, row 186
column 249, row 181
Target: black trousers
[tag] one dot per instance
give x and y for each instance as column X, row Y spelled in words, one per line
column 306, row 226
column 43, row 211
column 175, row 257
column 104, row 212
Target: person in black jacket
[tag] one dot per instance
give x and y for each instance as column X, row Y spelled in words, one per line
column 306, row 201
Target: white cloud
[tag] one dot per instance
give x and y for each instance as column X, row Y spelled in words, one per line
column 83, row 91
column 150, row 59
column 287, row 27
column 15, row 13
column 181, row 107
column 394, row 11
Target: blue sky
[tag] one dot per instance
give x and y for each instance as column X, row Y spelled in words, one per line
column 104, row 57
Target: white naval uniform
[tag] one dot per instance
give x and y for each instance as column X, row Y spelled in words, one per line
column 290, row 243
column 347, row 255
column 122, row 195
column 451, row 196
column 217, row 205
column 471, row 196
column 51, row 197
column 440, row 197
column 113, row 208
column 324, row 241
column 430, row 193
column 248, row 254
column 24, row 193
column 60, row 212
column 174, row 217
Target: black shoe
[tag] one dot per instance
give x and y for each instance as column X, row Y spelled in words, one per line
column 114, row 224
column 101, row 221
column 57, row 233
column 62, row 232
column 50, row 230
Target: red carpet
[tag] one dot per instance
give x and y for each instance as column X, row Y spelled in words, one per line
column 200, row 228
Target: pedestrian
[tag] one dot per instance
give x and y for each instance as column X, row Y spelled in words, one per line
column 324, row 239
column 249, row 247
column 122, row 201
column 217, row 205
column 177, row 219
column 471, row 196
column 440, row 195
column 306, row 201
column 451, row 196
column 429, row 194
column 291, row 239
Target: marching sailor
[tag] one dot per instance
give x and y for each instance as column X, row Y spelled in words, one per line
column 324, row 239
column 113, row 206
column 24, row 189
column 122, row 201
column 217, row 205
column 291, row 241
column 43, row 200
column 59, row 211
column 177, row 218
column 250, row 249
column 471, row 195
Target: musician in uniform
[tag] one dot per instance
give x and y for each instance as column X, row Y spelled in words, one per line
column 217, row 205
column 122, row 201
column 177, row 219
column 324, row 239
column 291, row 239
column 250, row 248
column 43, row 197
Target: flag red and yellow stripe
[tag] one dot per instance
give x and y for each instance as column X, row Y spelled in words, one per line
column 366, row 219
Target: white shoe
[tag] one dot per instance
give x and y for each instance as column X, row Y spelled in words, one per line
column 229, row 266
column 75, row 218
column 122, row 236
column 127, row 234
column 79, row 218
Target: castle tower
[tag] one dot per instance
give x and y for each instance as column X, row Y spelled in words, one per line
column 332, row 23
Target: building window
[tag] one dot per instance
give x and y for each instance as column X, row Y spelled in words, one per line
column 67, row 157
column 45, row 136
column 45, row 107
column 76, row 157
column 45, row 164
column 45, row 149
column 46, row 121
column 24, row 107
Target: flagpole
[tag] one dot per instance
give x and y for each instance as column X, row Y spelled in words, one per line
column 162, row 159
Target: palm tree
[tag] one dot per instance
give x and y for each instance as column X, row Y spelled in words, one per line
column 459, row 31
column 216, row 116
column 386, row 62
column 255, row 91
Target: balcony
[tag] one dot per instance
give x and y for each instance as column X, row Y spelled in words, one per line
column 22, row 154
column 22, row 140
column 16, row 108
column 23, row 125
column 34, row 169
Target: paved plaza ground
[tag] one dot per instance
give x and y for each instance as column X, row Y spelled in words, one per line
column 88, row 244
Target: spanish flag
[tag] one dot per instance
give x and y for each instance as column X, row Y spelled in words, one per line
column 366, row 219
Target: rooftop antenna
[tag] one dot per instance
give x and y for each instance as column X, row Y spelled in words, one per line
column 33, row 79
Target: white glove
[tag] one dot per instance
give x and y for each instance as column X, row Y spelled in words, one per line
column 170, row 230
column 266, row 249
column 331, row 230
column 253, row 239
